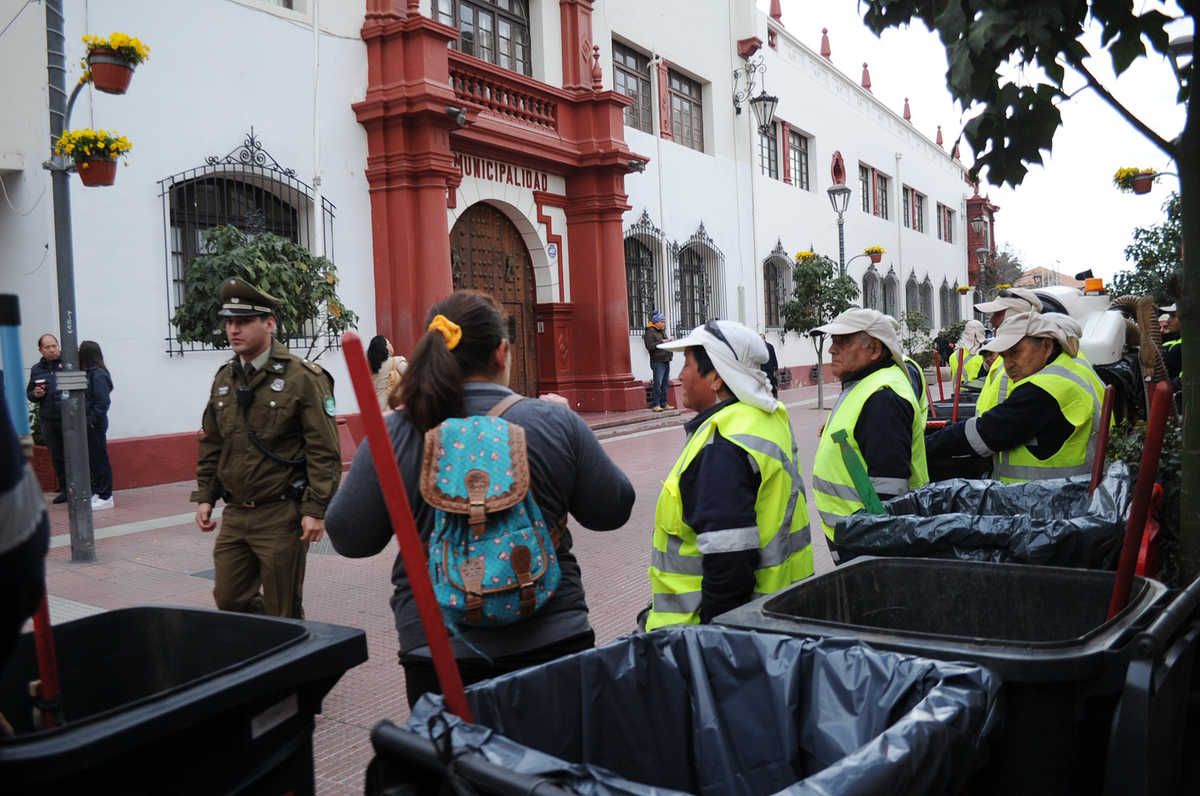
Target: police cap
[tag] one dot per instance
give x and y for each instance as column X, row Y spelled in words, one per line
column 239, row 298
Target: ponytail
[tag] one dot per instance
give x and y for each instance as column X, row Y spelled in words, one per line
column 432, row 389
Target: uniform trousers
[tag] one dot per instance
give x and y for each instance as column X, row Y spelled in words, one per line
column 260, row 560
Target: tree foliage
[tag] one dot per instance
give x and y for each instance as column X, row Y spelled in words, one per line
column 305, row 285
column 1003, row 269
column 818, row 294
column 1157, row 255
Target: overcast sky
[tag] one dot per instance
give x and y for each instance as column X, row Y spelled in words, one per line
column 1066, row 215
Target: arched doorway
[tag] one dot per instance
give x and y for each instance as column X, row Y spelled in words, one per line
column 488, row 254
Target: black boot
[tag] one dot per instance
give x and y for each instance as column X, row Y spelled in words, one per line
column 61, row 498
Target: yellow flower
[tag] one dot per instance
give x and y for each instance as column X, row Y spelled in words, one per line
column 803, row 256
column 335, row 309
column 873, row 250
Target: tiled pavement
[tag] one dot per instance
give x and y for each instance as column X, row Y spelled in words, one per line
column 150, row 553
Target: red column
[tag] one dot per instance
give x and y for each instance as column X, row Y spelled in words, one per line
column 664, row 102
column 555, row 345
column 576, row 43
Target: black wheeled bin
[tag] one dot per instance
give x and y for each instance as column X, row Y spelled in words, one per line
column 175, row 700
column 1041, row 629
column 703, row 710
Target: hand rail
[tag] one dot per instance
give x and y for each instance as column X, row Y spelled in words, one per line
column 508, row 96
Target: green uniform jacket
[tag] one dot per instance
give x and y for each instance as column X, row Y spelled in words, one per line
column 292, row 415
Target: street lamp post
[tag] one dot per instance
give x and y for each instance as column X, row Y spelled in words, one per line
column 839, row 197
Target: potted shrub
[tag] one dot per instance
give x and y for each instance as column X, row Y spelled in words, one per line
column 874, row 252
column 110, row 61
column 1136, row 180
column 95, row 153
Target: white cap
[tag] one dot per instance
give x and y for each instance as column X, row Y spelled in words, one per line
column 1168, row 308
column 1056, row 326
column 738, row 354
column 1013, row 298
column 883, row 328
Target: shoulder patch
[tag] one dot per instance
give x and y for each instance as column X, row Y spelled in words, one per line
column 330, row 405
column 313, row 366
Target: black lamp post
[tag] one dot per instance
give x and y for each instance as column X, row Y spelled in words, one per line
column 839, row 197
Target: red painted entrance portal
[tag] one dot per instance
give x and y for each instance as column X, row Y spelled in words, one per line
column 487, row 254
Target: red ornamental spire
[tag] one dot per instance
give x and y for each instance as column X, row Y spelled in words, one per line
column 939, row 135
column 866, row 78
column 597, row 72
column 825, row 51
column 955, row 153
column 907, row 112
column 776, row 11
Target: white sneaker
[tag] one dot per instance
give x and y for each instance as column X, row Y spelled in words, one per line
column 99, row 505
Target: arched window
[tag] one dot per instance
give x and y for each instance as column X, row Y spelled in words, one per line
column 496, row 31
column 955, row 304
column 772, row 280
column 945, row 301
column 927, row 304
column 912, row 295
column 891, row 294
column 639, row 283
column 699, row 269
column 872, row 298
column 247, row 189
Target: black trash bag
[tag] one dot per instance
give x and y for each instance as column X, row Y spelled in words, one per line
column 713, row 710
column 1053, row 522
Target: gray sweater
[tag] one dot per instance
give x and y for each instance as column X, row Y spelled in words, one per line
column 569, row 472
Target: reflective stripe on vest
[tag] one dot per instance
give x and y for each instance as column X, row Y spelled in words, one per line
column 922, row 396
column 1076, row 388
column 834, row 494
column 781, row 535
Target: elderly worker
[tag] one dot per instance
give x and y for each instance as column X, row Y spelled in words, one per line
column 1015, row 299
column 731, row 522
column 1046, row 425
column 973, row 364
column 879, row 412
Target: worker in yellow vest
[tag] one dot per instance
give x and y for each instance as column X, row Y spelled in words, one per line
column 1046, row 423
column 879, row 412
column 972, row 338
column 1013, row 299
column 731, row 522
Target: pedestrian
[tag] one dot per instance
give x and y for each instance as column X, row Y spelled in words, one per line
column 879, row 412
column 1047, row 424
column 771, row 366
column 97, row 401
column 460, row 367
column 731, row 522
column 660, row 361
column 43, row 391
column 386, row 369
column 1014, row 299
column 270, row 451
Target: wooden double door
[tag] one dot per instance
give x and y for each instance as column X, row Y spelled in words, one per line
column 488, row 254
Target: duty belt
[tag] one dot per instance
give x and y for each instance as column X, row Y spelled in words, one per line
column 251, row 504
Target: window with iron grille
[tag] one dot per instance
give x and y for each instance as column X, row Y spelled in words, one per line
column 247, row 189
column 772, row 292
column 631, row 77
column 927, row 304
column 912, row 295
column 870, row 289
column 768, row 152
column 798, row 151
column 694, row 289
column 496, row 31
column 864, row 187
column 891, row 297
column 687, row 110
column 639, row 283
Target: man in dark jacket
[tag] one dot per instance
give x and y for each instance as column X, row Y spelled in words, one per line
column 660, row 361
column 43, row 391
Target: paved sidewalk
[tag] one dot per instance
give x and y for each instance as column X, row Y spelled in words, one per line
column 149, row 552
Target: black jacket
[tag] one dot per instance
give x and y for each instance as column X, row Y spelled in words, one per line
column 100, row 385
column 49, row 405
column 652, row 337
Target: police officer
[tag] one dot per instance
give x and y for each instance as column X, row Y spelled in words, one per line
column 878, row 410
column 731, row 520
column 270, row 451
column 1046, row 425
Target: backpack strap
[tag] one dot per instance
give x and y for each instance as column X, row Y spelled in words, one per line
column 502, row 406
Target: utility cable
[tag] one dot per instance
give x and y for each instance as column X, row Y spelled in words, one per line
column 36, row 202
column 19, row 12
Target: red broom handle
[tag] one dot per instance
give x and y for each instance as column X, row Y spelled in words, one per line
column 411, row 549
column 937, row 363
column 1147, row 472
column 1110, row 393
column 47, row 660
column 957, row 386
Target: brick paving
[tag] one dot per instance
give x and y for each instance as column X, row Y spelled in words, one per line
column 150, row 553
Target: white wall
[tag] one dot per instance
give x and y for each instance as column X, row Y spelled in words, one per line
column 215, row 70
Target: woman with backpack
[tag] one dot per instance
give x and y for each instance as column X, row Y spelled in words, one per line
column 386, row 369
column 460, row 369
column 96, row 403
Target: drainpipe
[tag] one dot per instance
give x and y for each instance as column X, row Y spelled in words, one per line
column 318, row 195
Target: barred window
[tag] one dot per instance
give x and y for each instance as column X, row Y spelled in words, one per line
column 871, row 290
column 891, row 294
column 631, row 77
column 927, row 304
column 912, row 295
column 694, row 289
column 768, row 152
column 687, row 111
column 639, row 283
column 496, row 31
column 798, row 151
column 772, row 293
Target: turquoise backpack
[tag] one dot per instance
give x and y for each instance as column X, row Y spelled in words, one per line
column 491, row 555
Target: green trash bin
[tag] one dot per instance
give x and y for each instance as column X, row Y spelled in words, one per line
column 175, row 700
column 1043, row 630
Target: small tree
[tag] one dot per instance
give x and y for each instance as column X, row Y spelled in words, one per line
column 305, row 285
column 1003, row 269
column 917, row 343
column 818, row 295
column 1157, row 255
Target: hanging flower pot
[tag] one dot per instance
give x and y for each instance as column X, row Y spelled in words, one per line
column 874, row 252
column 110, row 61
column 97, row 171
column 1143, row 182
column 1136, row 180
column 110, row 74
column 94, row 152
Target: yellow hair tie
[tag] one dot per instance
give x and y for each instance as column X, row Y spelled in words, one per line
column 449, row 329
